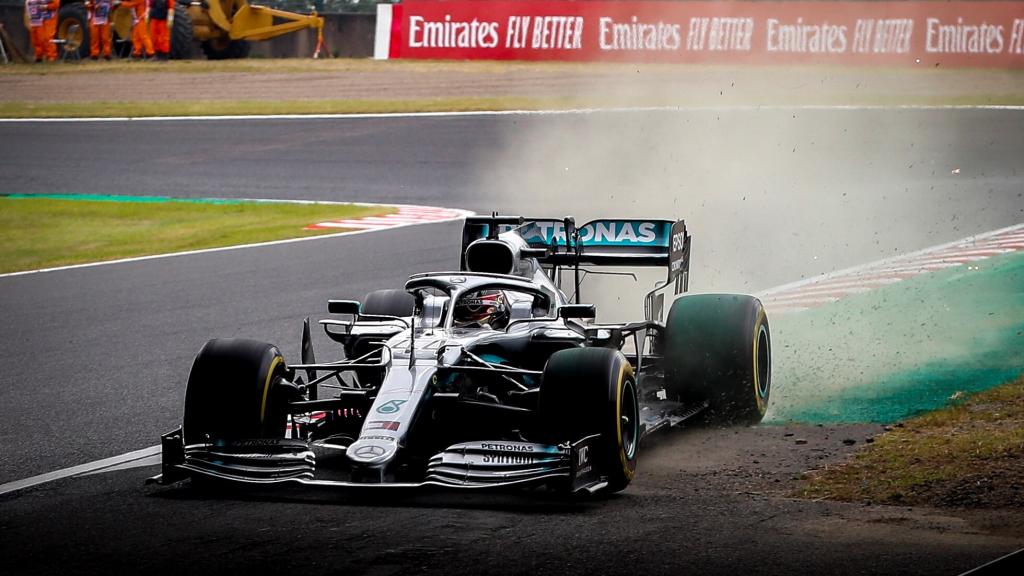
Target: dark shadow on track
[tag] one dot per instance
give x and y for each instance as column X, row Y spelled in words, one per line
column 536, row 501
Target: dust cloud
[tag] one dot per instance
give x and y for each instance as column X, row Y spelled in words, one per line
column 770, row 195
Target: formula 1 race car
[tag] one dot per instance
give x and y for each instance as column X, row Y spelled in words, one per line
column 488, row 376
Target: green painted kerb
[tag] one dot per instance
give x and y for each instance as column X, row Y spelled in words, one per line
column 902, row 349
column 119, row 198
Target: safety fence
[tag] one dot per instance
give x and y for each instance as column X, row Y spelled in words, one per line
column 895, row 33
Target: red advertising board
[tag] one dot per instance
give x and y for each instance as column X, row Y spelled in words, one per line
column 955, row 34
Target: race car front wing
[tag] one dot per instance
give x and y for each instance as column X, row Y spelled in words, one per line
column 486, row 464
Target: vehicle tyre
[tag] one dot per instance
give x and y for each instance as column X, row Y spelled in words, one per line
column 234, row 392
column 224, row 49
column 718, row 349
column 73, row 29
column 181, row 33
column 587, row 391
column 388, row 303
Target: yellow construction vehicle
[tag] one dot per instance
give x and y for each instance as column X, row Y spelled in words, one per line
column 224, row 28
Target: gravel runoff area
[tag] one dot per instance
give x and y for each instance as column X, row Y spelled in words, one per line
column 769, row 463
column 618, row 84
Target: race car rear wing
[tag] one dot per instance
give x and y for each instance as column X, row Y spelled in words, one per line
column 602, row 242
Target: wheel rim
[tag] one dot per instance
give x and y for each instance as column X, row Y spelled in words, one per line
column 764, row 363
column 629, row 416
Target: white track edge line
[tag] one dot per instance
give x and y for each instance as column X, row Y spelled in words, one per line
column 991, row 563
column 80, row 469
column 570, row 111
column 459, row 214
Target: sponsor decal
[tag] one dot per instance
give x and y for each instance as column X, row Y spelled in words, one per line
column 381, row 425
column 384, row 438
column 678, row 257
column 252, row 443
column 583, row 455
column 583, row 466
column 507, row 447
column 601, row 233
column 391, row 406
column 370, row 451
column 904, row 33
column 508, row 459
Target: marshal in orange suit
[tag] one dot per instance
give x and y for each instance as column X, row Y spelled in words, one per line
column 158, row 12
column 99, row 27
column 141, row 44
column 42, row 24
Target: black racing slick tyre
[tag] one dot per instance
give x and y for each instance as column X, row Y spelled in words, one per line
column 235, row 392
column 73, row 29
column 718, row 350
column 388, row 303
column 586, row 391
column 181, row 33
column 224, row 49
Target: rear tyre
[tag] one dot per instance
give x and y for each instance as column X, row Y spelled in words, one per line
column 224, row 49
column 234, row 392
column 388, row 303
column 718, row 349
column 587, row 391
column 181, row 33
column 73, row 29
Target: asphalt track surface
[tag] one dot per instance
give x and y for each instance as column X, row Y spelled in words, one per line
column 96, row 358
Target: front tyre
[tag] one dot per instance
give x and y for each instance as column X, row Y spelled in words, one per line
column 235, row 391
column 181, row 33
column 586, row 391
column 718, row 350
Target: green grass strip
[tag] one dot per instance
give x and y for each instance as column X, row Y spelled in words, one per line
column 902, row 349
column 138, row 109
column 967, row 454
column 47, row 232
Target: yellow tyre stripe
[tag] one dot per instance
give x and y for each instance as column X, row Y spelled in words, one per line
column 762, row 406
column 266, row 387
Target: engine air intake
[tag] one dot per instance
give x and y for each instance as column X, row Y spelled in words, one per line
column 490, row 256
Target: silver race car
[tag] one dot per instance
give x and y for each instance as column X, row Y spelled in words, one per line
column 484, row 377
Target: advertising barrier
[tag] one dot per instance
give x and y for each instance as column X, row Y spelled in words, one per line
column 936, row 33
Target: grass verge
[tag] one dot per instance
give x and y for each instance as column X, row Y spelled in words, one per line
column 136, row 109
column 969, row 454
column 43, row 233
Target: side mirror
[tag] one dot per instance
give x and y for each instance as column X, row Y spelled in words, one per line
column 343, row 307
column 577, row 311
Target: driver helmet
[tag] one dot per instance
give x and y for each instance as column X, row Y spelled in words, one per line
column 486, row 308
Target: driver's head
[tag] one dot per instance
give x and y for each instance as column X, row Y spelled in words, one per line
column 484, row 308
